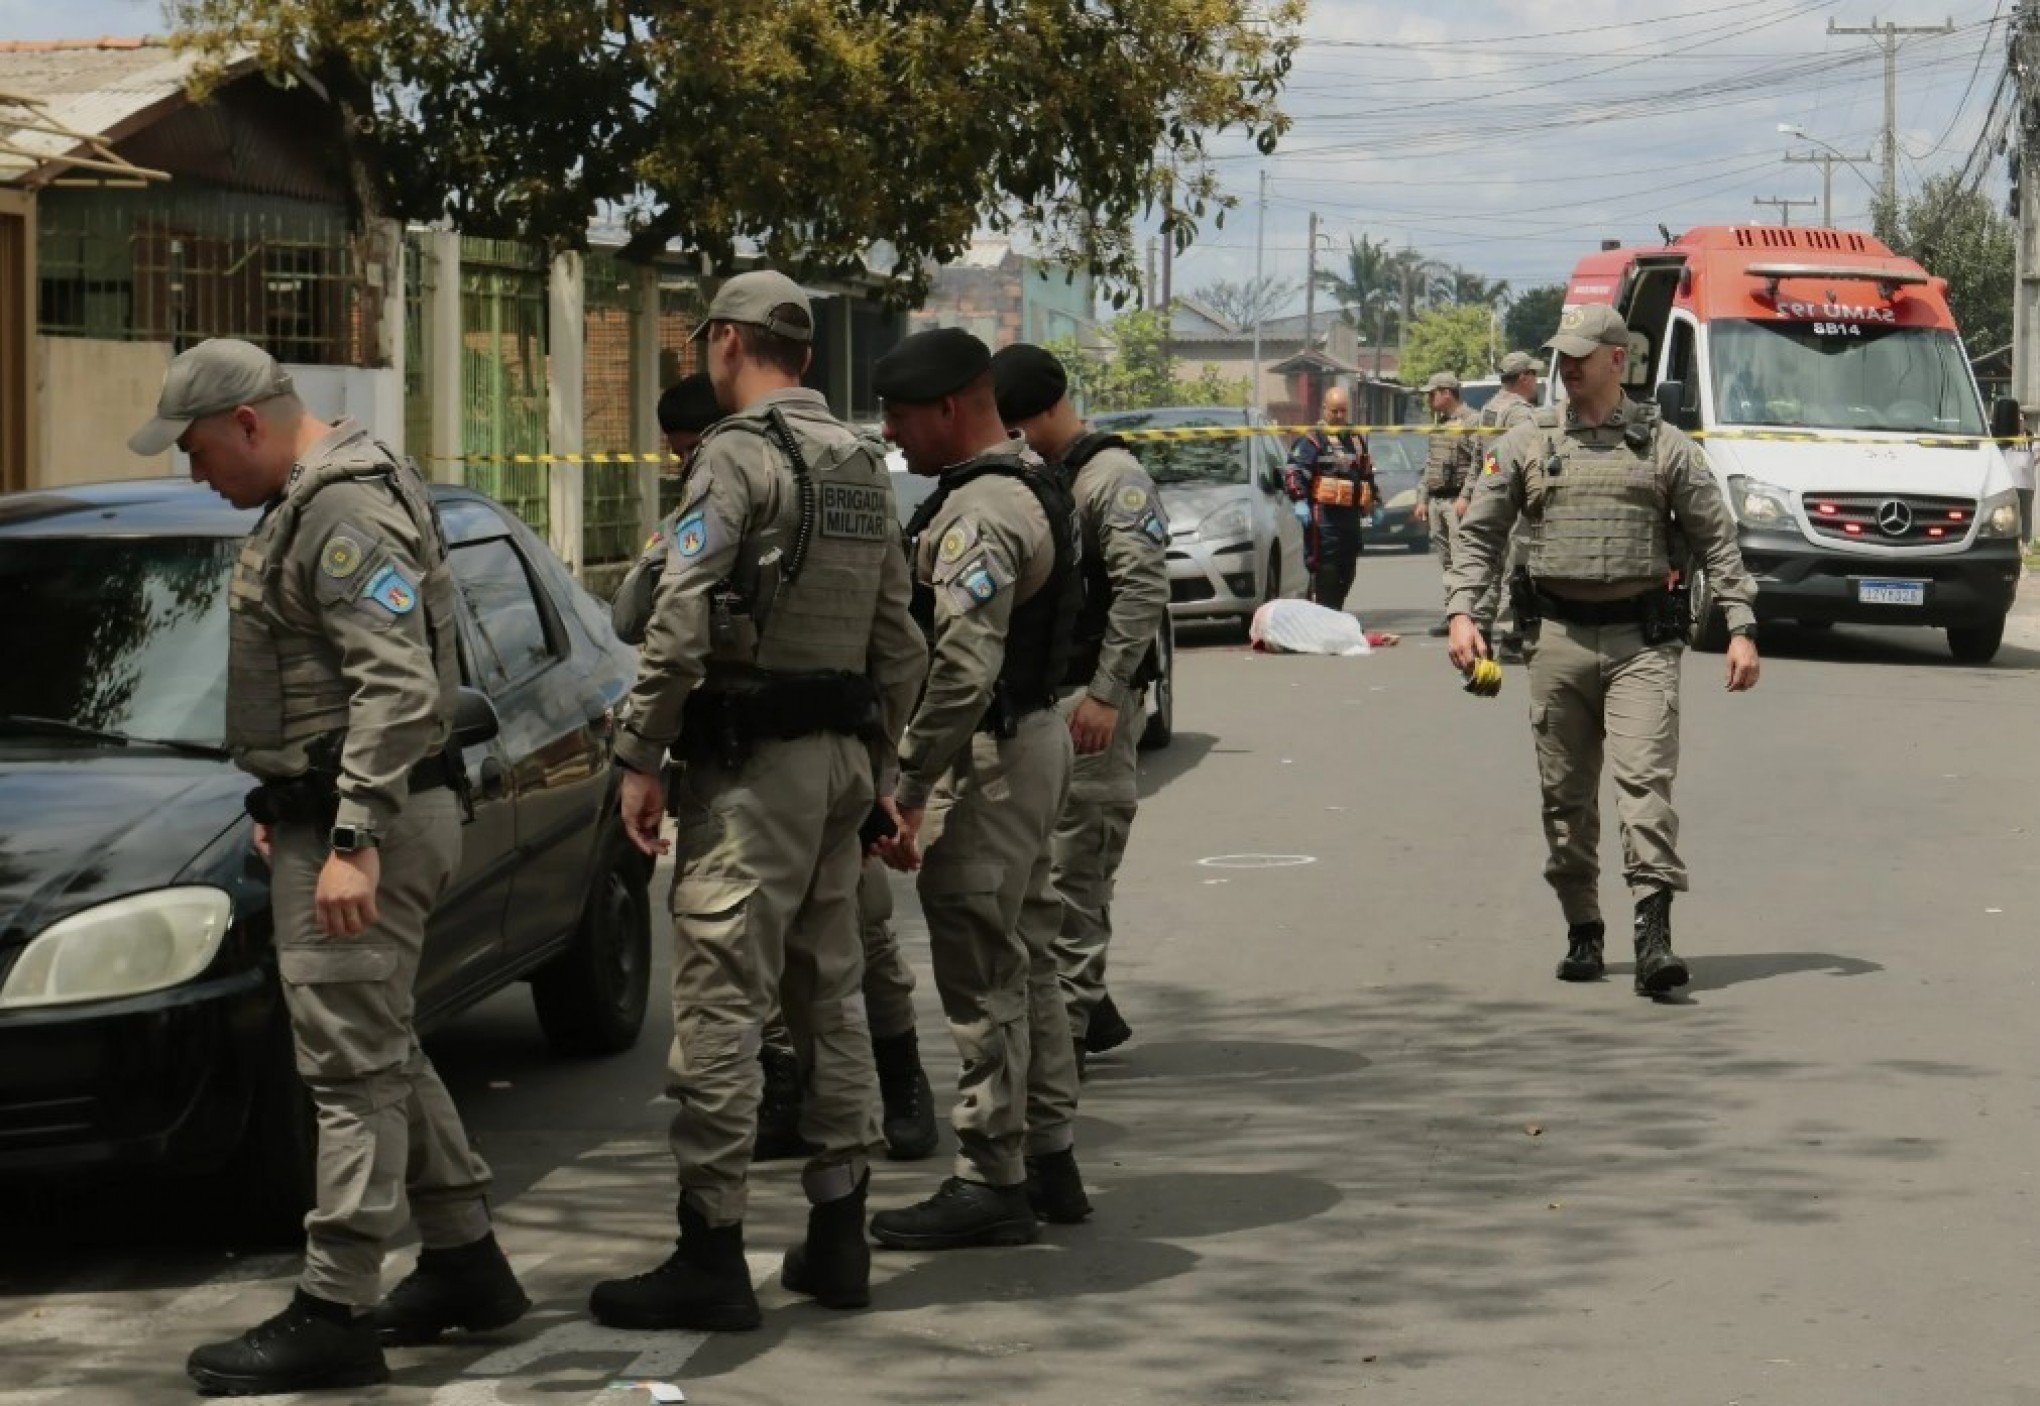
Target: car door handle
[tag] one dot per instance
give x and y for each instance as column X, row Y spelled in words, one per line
column 495, row 780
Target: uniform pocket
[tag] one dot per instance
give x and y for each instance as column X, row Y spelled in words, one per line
column 326, row 964
column 711, row 897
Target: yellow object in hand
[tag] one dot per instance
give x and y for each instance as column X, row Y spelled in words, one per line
column 1484, row 678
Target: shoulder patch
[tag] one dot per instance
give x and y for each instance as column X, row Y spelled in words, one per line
column 690, row 536
column 958, row 539
column 978, row 582
column 341, row 557
column 392, row 590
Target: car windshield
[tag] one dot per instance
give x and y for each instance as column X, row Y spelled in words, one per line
column 1215, row 460
column 125, row 635
column 1842, row 375
column 1398, row 454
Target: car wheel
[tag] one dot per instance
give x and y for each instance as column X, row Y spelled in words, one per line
column 1710, row 626
column 1161, row 723
column 1976, row 644
column 271, row 1184
column 591, row 998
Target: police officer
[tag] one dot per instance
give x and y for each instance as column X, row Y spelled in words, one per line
column 1126, row 603
column 784, row 598
column 1454, row 451
column 686, row 409
column 1332, row 471
column 342, row 679
column 1512, row 405
column 1602, row 485
column 984, row 770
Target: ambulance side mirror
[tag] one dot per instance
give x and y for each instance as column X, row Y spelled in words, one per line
column 1676, row 407
column 2004, row 418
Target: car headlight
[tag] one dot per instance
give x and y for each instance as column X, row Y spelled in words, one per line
column 1759, row 504
column 1999, row 515
column 1230, row 521
column 144, row 942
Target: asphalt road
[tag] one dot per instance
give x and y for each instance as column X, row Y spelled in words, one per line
column 1363, row 1148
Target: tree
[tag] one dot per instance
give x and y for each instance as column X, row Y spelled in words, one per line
column 1365, row 288
column 1455, row 339
column 1132, row 371
column 813, row 129
column 1533, row 316
column 1242, row 303
column 1959, row 235
column 1470, row 287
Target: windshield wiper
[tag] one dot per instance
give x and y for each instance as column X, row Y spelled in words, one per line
column 26, row 725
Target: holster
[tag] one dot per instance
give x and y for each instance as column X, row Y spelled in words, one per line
column 730, row 720
column 1667, row 618
column 1523, row 599
column 312, row 798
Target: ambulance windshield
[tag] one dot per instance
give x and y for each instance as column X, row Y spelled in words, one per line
column 1843, row 376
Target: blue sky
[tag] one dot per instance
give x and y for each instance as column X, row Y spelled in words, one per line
column 1511, row 136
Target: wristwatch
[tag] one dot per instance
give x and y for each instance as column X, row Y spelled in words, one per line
column 352, row 839
column 1748, row 632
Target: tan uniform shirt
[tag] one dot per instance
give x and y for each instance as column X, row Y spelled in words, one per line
column 1124, row 527
column 1690, row 492
column 351, row 583
column 1500, row 415
column 736, row 484
column 1454, row 454
column 986, row 551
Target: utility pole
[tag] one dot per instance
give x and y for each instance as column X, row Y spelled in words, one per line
column 1310, row 287
column 1784, row 206
column 2024, row 61
column 1168, row 303
column 1827, row 161
column 1147, row 292
column 1260, row 243
column 1887, row 36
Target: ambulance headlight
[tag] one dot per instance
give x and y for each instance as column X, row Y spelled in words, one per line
column 1999, row 515
column 1758, row 504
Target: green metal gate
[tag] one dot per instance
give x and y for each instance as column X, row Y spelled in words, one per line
column 503, row 375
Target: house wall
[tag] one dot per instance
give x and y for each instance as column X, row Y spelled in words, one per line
column 372, row 396
column 91, row 395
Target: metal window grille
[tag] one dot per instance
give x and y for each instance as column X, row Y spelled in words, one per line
column 503, row 375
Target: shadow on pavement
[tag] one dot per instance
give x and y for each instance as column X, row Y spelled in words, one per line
column 1185, row 750
column 1859, row 644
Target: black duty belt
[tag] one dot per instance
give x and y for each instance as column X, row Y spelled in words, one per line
column 1629, row 610
column 313, row 797
column 432, row 773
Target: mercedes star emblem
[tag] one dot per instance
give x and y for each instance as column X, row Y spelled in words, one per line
column 1894, row 519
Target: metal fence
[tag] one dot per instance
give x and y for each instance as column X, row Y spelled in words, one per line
column 611, row 530
column 182, row 266
column 503, row 375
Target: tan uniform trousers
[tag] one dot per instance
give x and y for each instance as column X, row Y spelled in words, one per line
column 1444, row 524
column 1596, row 688
column 888, row 980
column 391, row 1146
column 1084, row 855
column 764, row 916
column 991, row 923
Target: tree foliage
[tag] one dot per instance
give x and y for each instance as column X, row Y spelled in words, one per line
column 1959, row 235
column 1455, row 339
column 1133, row 370
column 1240, row 303
column 811, row 128
column 1533, row 317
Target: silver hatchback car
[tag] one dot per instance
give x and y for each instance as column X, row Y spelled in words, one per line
column 1234, row 539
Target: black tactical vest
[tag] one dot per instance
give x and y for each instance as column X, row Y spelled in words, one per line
column 1087, row 642
column 1038, row 641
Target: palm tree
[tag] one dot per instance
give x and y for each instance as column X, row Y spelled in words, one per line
column 1469, row 287
column 1367, row 285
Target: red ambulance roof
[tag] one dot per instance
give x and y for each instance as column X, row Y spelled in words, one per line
column 1785, row 273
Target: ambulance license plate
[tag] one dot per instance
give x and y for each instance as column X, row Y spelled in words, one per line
column 1891, row 592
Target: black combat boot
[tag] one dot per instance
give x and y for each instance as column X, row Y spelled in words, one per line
column 909, row 1104
column 313, row 1345
column 704, row 1285
column 1659, row 970
column 1108, row 1029
column 469, row 1287
column 1582, row 961
column 833, row 1266
column 1055, row 1189
column 779, row 1109
column 960, row 1214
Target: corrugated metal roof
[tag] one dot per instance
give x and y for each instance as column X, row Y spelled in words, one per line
column 89, row 86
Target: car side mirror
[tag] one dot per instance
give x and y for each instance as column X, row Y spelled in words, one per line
column 1674, row 404
column 2004, row 417
column 474, row 719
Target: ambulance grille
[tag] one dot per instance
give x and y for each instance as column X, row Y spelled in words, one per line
column 1891, row 519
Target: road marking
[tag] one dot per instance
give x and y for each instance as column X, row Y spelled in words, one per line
column 1257, row 861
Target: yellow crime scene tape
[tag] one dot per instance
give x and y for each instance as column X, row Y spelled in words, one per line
column 1203, row 432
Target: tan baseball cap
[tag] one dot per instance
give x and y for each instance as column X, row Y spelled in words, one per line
column 1516, row 363
column 764, row 298
column 1441, row 381
column 1582, row 329
column 209, row 379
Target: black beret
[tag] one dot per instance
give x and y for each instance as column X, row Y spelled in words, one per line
column 1027, row 380
column 929, row 365
column 689, row 405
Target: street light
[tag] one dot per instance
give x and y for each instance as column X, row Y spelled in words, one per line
column 1827, row 167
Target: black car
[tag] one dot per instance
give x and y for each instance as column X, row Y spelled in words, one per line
column 140, row 1021
column 1398, row 480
